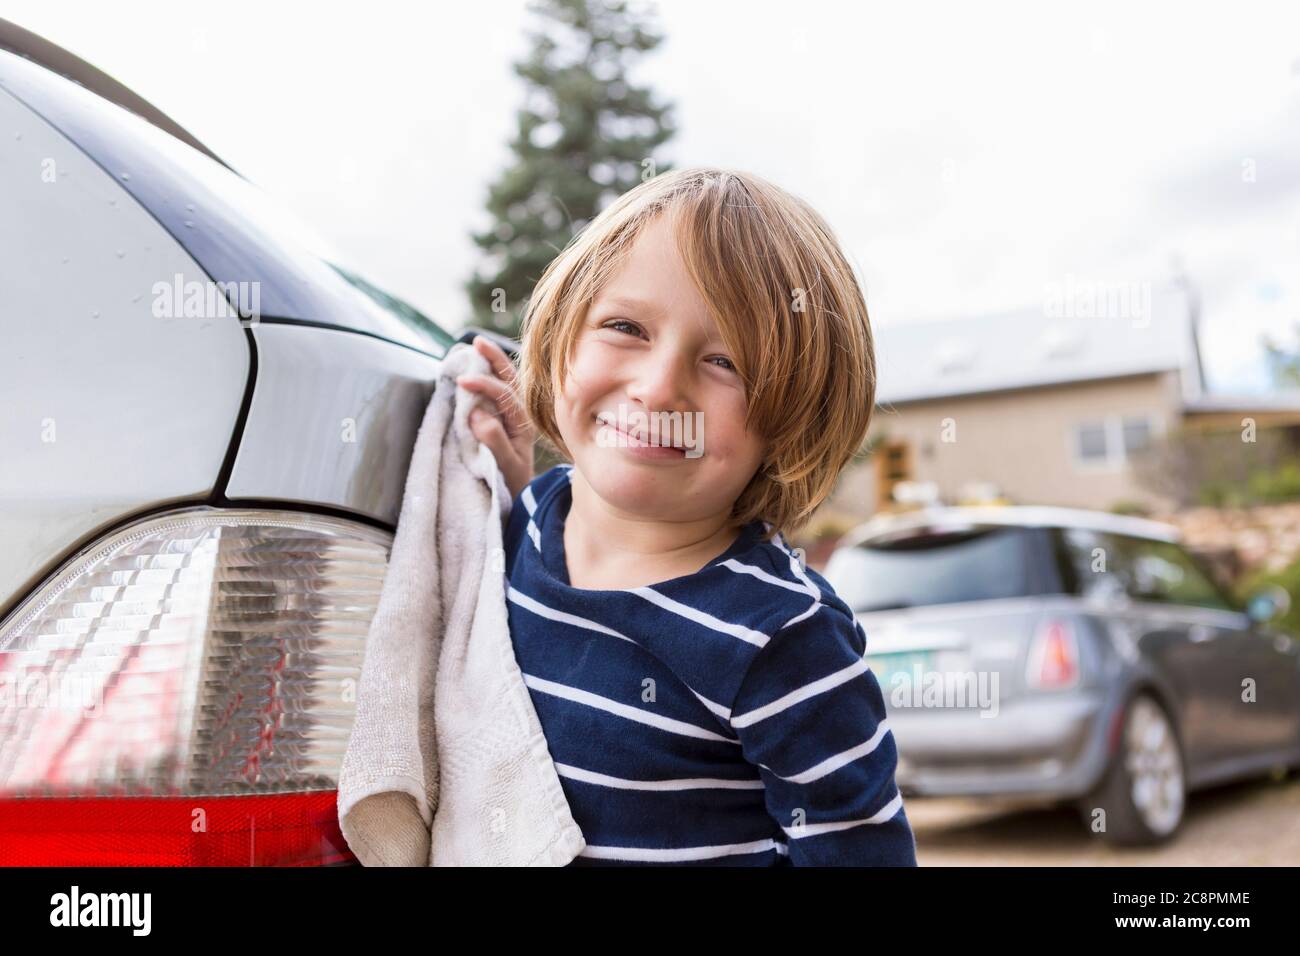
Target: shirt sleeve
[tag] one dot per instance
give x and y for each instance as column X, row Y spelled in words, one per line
column 810, row 715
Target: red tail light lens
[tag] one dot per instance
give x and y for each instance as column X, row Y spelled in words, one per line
column 290, row 829
column 182, row 693
column 1053, row 656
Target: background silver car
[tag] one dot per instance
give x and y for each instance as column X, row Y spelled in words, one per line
column 1069, row 655
column 206, row 431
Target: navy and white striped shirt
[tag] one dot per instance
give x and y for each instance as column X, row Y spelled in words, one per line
column 725, row 717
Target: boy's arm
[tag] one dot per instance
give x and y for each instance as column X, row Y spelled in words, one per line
column 811, row 716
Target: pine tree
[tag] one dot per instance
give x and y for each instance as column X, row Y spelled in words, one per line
column 1283, row 360
column 586, row 135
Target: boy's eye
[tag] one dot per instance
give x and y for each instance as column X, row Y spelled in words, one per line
column 615, row 323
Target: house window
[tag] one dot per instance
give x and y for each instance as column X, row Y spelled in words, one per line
column 1109, row 442
column 1137, row 434
column 1092, row 442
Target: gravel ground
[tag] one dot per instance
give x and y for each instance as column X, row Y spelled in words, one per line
column 1256, row 823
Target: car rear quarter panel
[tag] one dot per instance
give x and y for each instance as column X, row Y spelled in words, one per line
column 332, row 422
column 108, row 410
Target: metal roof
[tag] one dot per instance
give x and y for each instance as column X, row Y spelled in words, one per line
column 1143, row 328
column 1281, row 400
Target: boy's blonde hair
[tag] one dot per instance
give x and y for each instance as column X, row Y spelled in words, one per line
column 786, row 304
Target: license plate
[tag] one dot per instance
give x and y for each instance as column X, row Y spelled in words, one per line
column 889, row 667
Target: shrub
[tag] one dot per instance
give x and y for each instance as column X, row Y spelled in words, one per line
column 1288, row 578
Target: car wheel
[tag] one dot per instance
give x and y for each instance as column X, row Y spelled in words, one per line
column 1144, row 790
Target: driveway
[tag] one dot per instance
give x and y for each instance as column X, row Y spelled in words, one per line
column 1256, row 823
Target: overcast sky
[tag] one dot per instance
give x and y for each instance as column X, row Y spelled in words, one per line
column 967, row 155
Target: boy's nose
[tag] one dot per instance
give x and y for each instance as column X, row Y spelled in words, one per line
column 660, row 387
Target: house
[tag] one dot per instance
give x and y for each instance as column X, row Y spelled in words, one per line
column 1047, row 405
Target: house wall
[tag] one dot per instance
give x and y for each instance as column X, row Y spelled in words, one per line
column 1021, row 441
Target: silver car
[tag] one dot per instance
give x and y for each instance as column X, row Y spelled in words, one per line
column 206, row 430
column 1070, row 655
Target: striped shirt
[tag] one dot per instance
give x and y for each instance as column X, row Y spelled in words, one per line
column 725, row 717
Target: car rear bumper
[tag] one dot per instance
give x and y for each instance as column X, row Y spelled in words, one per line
column 1043, row 746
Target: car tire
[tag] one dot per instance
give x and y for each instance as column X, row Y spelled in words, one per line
column 1144, row 790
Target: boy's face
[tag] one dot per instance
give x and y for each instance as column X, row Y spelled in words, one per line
column 635, row 363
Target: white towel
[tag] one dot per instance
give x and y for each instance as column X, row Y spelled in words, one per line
column 447, row 764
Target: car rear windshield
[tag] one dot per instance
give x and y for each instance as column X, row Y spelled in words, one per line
column 234, row 231
column 973, row 565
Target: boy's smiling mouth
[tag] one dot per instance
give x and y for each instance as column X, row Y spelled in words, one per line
column 638, row 446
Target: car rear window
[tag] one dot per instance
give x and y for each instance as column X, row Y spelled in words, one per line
column 234, row 231
column 1144, row 569
column 973, row 565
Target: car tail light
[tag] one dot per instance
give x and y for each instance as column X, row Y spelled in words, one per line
column 181, row 693
column 1053, row 656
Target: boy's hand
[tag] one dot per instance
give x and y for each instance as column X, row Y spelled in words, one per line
column 507, row 433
